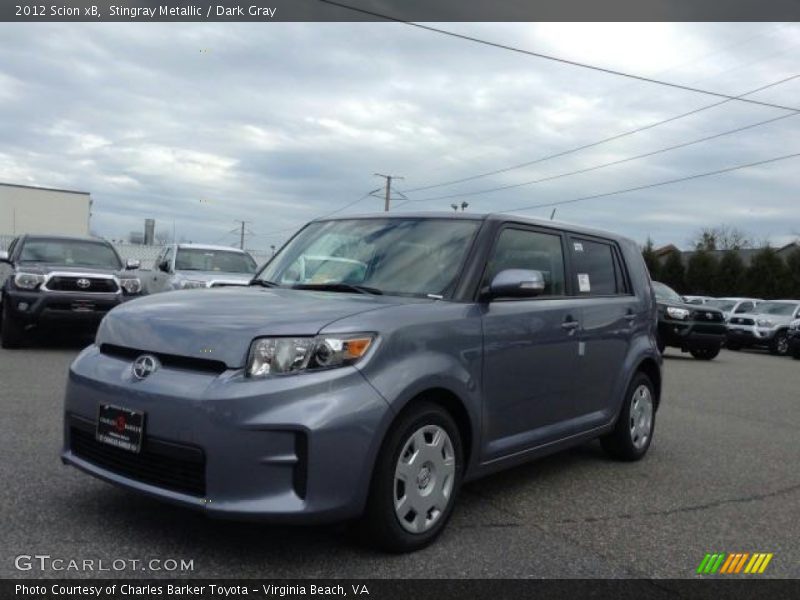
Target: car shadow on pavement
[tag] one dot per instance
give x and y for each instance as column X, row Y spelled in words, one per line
column 140, row 519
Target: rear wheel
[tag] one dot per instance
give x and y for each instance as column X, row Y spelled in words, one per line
column 416, row 480
column 11, row 332
column 704, row 353
column 633, row 433
column 780, row 344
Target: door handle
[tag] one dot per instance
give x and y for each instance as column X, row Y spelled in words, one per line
column 570, row 325
column 630, row 316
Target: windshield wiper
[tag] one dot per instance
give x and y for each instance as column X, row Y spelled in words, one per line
column 339, row 287
column 263, row 283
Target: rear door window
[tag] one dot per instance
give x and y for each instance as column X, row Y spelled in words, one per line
column 597, row 268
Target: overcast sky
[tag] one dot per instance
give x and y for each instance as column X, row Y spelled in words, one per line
column 279, row 123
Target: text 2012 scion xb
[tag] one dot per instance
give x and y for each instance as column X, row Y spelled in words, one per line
column 371, row 367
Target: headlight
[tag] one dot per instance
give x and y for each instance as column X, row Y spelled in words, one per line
column 765, row 322
column 189, row 284
column 131, row 285
column 28, row 281
column 276, row 356
column 677, row 313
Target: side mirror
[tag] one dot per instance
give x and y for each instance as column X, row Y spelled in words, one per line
column 4, row 257
column 164, row 266
column 516, row 283
column 132, row 264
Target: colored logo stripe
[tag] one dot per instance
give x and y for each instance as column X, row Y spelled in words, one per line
column 734, row 563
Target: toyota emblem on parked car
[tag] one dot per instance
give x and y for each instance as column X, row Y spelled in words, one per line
column 144, row 366
column 83, row 283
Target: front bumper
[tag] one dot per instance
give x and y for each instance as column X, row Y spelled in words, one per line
column 299, row 448
column 62, row 308
column 688, row 335
column 748, row 336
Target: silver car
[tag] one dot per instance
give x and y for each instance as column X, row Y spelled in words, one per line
column 766, row 327
column 373, row 365
column 734, row 306
column 189, row 266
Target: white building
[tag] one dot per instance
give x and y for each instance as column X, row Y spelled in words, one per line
column 27, row 209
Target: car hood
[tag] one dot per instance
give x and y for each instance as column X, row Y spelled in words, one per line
column 220, row 324
column 216, row 276
column 46, row 268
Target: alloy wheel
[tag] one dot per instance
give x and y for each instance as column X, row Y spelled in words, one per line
column 641, row 416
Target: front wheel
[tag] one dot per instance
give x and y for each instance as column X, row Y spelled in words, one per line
column 11, row 331
column 633, row 433
column 780, row 344
column 416, row 480
column 704, row 353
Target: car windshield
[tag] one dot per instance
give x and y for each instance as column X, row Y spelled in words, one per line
column 723, row 305
column 666, row 293
column 76, row 253
column 776, row 308
column 227, row 261
column 400, row 256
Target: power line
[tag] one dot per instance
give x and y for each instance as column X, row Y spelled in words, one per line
column 652, row 185
column 553, row 58
column 598, row 142
column 608, row 164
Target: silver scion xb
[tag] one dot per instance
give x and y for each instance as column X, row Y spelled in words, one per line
column 371, row 367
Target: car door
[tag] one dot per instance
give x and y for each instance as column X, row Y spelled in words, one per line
column 609, row 314
column 530, row 346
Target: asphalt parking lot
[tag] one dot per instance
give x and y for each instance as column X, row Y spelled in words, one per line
column 722, row 476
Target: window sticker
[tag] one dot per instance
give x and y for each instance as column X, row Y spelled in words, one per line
column 584, row 285
column 578, row 247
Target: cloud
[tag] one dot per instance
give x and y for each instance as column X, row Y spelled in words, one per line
column 278, row 123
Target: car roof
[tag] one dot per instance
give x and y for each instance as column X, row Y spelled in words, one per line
column 210, row 247
column 465, row 216
column 62, row 238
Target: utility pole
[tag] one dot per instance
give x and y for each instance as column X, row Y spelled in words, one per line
column 388, row 197
column 241, row 234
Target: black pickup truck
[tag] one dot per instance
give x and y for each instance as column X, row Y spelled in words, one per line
column 697, row 329
column 67, row 282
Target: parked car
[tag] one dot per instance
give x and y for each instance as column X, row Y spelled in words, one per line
column 371, row 367
column 696, row 299
column 766, row 327
column 189, row 266
column 733, row 306
column 793, row 339
column 62, row 281
column 699, row 330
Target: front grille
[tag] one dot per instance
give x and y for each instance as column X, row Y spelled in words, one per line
column 168, row 360
column 96, row 285
column 708, row 316
column 742, row 321
column 176, row 467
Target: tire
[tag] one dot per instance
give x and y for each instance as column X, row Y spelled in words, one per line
column 12, row 333
column 632, row 437
column 796, row 353
column 779, row 346
column 704, row 353
column 390, row 520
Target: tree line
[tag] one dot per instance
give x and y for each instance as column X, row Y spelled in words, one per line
column 768, row 276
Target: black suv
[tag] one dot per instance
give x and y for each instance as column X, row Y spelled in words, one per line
column 60, row 280
column 697, row 329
